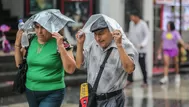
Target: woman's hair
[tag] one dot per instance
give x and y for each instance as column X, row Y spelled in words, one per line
column 34, row 23
column 172, row 25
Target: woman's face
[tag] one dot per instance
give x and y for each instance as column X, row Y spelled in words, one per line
column 168, row 27
column 42, row 33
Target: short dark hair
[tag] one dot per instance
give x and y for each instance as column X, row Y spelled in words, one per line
column 172, row 25
column 135, row 12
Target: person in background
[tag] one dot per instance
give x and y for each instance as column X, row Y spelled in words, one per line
column 139, row 36
column 48, row 59
column 169, row 47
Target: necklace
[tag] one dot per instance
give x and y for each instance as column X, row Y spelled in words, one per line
column 39, row 48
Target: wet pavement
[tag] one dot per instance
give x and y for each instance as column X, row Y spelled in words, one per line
column 155, row 95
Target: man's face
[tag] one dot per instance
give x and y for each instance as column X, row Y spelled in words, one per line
column 133, row 18
column 103, row 37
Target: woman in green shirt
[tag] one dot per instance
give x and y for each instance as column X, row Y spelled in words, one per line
column 48, row 57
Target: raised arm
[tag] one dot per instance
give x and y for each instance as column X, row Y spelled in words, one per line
column 127, row 62
column 66, row 56
column 18, row 55
column 79, row 54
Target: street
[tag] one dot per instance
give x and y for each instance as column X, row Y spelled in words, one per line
column 155, row 95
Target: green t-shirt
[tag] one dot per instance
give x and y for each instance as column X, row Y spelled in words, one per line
column 45, row 69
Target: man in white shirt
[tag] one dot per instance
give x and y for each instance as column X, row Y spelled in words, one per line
column 138, row 35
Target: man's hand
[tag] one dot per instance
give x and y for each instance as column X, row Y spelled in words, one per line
column 117, row 37
column 80, row 36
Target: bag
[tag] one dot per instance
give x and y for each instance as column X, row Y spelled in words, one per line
column 92, row 102
column 20, row 80
column 87, row 92
column 87, row 96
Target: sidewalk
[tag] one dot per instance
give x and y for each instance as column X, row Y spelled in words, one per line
column 155, row 95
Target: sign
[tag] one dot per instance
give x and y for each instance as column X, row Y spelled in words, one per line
column 184, row 2
column 173, row 14
column 173, row 2
column 168, row 2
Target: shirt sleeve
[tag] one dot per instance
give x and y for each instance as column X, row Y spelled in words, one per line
column 131, row 50
column 146, row 35
column 86, row 54
column 178, row 37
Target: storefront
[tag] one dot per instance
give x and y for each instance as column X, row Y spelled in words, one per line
column 78, row 10
column 165, row 11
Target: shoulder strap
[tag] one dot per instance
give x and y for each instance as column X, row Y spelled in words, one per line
column 101, row 70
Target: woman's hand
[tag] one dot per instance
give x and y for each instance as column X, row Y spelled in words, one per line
column 159, row 51
column 59, row 38
column 186, row 46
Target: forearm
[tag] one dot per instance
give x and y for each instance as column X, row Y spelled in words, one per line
column 126, row 61
column 18, row 53
column 67, row 59
column 182, row 42
column 160, row 48
column 79, row 55
column 18, row 56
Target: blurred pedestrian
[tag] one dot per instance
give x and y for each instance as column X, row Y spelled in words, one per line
column 139, row 36
column 169, row 46
column 108, row 35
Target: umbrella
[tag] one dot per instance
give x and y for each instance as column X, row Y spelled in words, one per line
column 52, row 20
